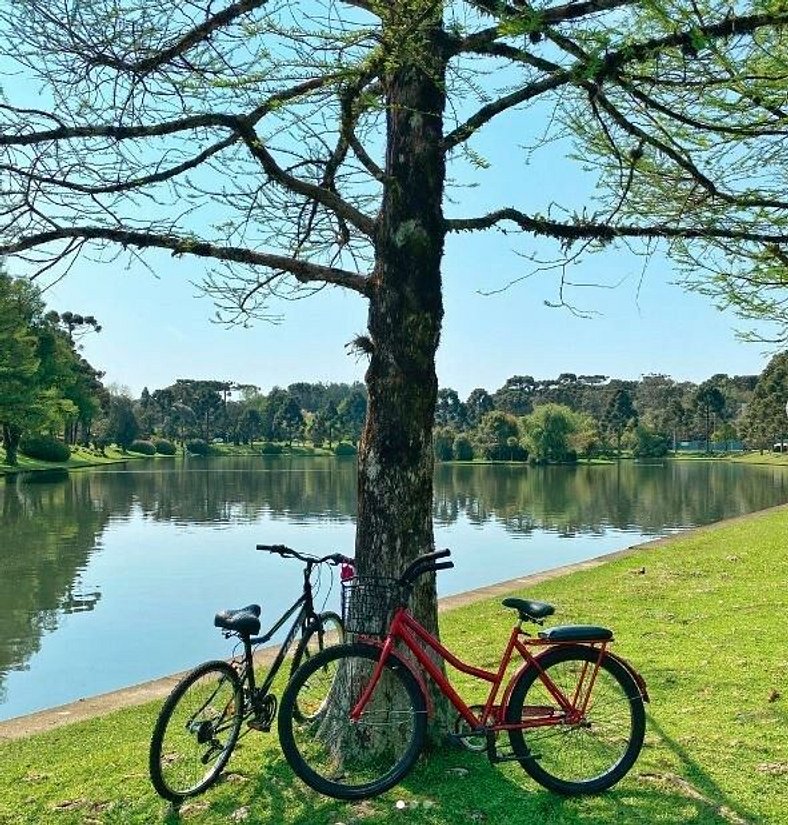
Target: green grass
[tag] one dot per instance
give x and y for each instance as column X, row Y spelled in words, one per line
column 756, row 457
column 80, row 457
column 703, row 618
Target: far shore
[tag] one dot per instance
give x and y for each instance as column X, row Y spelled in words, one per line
column 83, row 458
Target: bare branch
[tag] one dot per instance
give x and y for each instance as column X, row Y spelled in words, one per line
column 199, row 34
column 317, row 193
column 580, row 229
column 304, row 271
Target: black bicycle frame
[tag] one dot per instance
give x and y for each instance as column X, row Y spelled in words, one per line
column 306, row 612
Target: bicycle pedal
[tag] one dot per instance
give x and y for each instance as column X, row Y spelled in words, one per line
column 495, row 756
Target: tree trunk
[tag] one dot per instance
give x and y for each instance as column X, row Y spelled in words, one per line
column 395, row 472
column 11, row 437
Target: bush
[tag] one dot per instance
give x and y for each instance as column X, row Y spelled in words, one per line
column 44, row 448
column 269, row 448
column 164, row 447
column 649, row 444
column 345, row 448
column 143, row 447
column 198, row 446
column 462, row 448
column 442, row 443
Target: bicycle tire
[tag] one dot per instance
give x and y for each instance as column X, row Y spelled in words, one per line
column 325, row 631
column 553, row 755
column 186, row 755
column 344, row 760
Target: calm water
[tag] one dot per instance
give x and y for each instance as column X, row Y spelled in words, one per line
column 111, row 577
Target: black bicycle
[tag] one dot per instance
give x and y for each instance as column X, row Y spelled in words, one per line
column 200, row 722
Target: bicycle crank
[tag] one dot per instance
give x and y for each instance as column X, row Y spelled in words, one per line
column 472, row 740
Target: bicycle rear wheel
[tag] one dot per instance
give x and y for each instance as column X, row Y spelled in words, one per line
column 328, row 630
column 196, row 731
column 344, row 759
column 596, row 752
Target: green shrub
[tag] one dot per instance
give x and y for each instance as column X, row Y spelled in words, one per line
column 649, row 444
column 143, row 447
column 198, row 446
column 269, row 448
column 44, row 448
column 345, row 448
column 442, row 441
column 164, row 447
column 462, row 448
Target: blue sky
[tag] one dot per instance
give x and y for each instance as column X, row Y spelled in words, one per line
column 158, row 329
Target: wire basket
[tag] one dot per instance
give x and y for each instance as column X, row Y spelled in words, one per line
column 367, row 605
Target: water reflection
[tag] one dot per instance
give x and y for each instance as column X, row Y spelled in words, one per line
column 68, row 542
column 590, row 499
column 49, row 531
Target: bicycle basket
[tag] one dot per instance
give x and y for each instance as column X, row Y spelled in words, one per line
column 367, row 605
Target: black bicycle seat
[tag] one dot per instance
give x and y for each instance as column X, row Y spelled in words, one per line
column 244, row 620
column 529, row 611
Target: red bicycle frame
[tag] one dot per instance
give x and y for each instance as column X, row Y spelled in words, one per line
column 418, row 640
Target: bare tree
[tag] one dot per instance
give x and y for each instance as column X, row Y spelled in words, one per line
column 304, row 144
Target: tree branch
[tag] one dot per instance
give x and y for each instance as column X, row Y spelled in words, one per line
column 304, row 271
column 589, row 230
column 193, row 37
column 323, row 196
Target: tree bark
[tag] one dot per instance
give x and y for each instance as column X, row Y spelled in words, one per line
column 395, row 478
column 11, row 438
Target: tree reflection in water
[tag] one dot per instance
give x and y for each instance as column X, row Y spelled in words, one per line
column 49, row 530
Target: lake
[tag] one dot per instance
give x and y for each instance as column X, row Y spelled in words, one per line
column 111, row 576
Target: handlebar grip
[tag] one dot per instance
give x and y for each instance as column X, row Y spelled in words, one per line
column 430, row 567
column 279, row 549
column 338, row 558
column 409, row 571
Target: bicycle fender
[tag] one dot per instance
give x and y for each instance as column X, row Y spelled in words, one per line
column 639, row 680
column 414, row 672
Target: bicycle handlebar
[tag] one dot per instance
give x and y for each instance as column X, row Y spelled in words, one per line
column 289, row 553
column 425, row 564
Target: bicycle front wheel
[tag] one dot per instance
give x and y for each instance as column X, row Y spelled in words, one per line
column 196, row 731
column 341, row 758
column 327, row 630
column 589, row 755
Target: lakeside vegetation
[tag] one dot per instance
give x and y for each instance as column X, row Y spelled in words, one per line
column 53, row 404
column 717, row 741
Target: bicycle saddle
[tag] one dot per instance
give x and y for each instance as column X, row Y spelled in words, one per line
column 244, row 620
column 529, row 611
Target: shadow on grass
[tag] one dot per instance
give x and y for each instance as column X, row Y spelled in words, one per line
column 452, row 787
column 695, row 783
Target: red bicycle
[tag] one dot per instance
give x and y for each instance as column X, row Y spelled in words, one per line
column 573, row 711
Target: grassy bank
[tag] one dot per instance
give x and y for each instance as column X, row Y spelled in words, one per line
column 702, row 616
column 80, row 458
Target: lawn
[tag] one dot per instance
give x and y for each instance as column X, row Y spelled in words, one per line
column 80, row 457
column 701, row 615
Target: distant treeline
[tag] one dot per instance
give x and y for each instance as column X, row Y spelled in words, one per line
column 50, row 397
column 544, row 420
